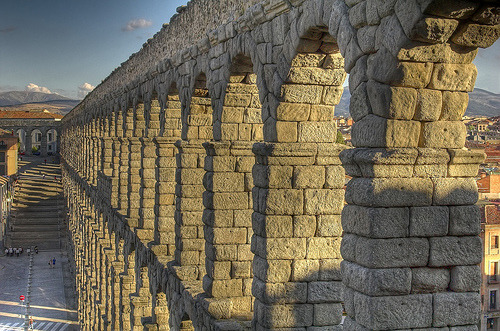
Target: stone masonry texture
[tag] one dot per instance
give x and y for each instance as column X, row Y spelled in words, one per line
column 206, row 191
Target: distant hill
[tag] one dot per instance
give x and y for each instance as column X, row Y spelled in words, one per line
column 19, row 97
column 23, row 100
column 481, row 103
column 61, row 107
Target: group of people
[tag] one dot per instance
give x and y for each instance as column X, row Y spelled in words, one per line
column 11, row 251
column 52, row 262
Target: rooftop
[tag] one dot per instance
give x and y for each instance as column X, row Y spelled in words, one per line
column 13, row 114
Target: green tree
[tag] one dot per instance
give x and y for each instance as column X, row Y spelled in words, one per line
column 340, row 138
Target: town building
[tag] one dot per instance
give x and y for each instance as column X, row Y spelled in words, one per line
column 8, row 153
column 490, row 289
column 38, row 131
column 489, row 186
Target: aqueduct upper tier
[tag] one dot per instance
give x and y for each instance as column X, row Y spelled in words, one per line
column 206, row 191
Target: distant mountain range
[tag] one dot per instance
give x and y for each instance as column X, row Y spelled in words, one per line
column 481, row 103
column 23, row 100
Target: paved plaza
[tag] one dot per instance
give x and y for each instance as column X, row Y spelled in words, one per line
column 47, row 299
column 36, row 220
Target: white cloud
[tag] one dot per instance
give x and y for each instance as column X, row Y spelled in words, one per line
column 137, row 24
column 84, row 89
column 35, row 88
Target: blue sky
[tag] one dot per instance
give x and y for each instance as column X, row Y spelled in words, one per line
column 69, row 46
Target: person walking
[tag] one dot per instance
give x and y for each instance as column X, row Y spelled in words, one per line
column 11, row 252
column 50, row 264
column 53, row 262
column 36, row 249
column 6, row 252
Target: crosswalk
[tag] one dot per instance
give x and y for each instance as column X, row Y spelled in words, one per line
column 40, row 326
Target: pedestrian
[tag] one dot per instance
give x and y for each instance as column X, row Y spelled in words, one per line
column 6, row 251
column 11, row 252
column 36, row 249
column 45, row 161
column 17, row 252
column 31, row 323
column 50, row 264
column 21, row 250
column 28, row 250
column 43, row 176
column 53, row 262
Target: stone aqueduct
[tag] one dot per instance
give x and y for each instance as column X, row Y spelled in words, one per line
column 205, row 190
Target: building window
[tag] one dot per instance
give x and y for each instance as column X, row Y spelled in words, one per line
column 2, row 170
column 493, row 270
column 494, row 241
column 50, row 147
column 50, row 136
column 2, row 156
column 493, row 299
column 491, row 324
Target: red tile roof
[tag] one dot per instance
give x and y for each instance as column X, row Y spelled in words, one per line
column 491, row 213
column 12, row 114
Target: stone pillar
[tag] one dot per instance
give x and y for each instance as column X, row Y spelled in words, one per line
column 411, row 241
column 107, row 156
column 141, row 302
column 127, row 284
column 116, row 298
column 189, row 238
column 134, row 181
column 161, row 313
column 96, row 155
column 145, row 232
column 165, row 172
column 228, row 226
column 298, row 198
column 115, row 177
column 411, row 244
column 58, row 141
column 139, row 307
column 43, row 144
column 123, row 176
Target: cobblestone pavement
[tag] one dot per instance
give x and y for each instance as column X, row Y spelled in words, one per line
column 47, row 299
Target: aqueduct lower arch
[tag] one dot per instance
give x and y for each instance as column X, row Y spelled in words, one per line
column 205, row 188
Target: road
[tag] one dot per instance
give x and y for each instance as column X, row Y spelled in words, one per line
column 47, row 299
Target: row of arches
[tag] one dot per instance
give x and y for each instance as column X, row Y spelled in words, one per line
column 221, row 172
column 44, row 142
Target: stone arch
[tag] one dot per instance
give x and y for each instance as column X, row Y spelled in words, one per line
column 170, row 114
column 197, row 129
column 36, row 139
column 304, row 195
column 408, row 98
column 197, row 118
column 228, row 202
column 239, row 117
column 52, row 139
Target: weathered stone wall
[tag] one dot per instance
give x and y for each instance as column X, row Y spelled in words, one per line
column 206, row 191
